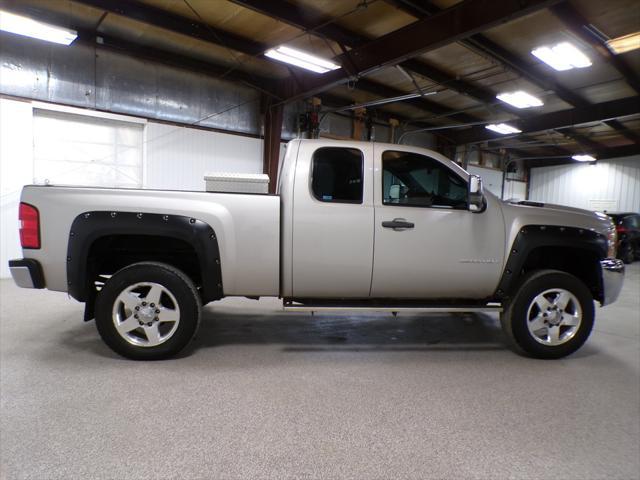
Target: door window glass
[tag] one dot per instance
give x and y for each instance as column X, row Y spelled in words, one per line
column 410, row 179
column 337, row 175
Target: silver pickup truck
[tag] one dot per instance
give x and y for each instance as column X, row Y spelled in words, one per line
column 363, row 226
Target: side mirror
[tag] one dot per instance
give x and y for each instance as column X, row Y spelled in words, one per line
column 476, row 195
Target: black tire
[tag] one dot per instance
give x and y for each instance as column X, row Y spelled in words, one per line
column 178, row 289
column 626, row 253
column 516, row 317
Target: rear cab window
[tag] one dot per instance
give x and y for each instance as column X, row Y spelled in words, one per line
column 337, row 175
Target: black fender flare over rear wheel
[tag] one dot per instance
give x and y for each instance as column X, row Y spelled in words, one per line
column 148, row 311
column 550, row 316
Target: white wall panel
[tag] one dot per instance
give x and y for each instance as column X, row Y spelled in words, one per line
column 612, row 184
column 515, row 190
column 178, row 157
column 16, row 170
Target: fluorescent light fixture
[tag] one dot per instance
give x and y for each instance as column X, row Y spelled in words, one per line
column 584, row 158
column 520, row 99
column 563, row 56
column 10, row 22
column 301, row 59
column 502, row 128
column 625, row 43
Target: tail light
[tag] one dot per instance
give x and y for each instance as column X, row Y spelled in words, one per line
column 621, row 229
column 29, row 226
column 612, row 241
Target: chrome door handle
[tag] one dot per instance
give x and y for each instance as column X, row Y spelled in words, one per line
column 398, row 224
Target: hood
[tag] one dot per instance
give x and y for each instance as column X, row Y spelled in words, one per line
column 534, row 213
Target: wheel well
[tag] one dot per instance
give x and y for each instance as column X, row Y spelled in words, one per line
column 580, row 263
column 110, row 253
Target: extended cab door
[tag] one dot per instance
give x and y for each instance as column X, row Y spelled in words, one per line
column 332, row 228
column 427, row 243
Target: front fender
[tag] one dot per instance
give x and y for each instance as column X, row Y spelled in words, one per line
column 532, row 237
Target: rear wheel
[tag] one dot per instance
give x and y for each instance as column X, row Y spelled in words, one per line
column 148, row 311
column 551, row 315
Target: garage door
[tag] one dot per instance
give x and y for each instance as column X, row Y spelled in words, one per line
column 72, row 149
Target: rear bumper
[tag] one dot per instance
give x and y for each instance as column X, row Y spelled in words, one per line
column 27, row 273
column 612, row 279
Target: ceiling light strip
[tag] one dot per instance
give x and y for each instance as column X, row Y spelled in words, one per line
column 520, row 99
column 25, row 26
column 502, row 128
column 563, row 56
column 301, row 59
column 625, row 43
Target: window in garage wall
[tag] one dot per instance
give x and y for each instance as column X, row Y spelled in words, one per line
column 71, row 149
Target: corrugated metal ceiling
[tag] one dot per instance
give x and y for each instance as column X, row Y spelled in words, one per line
column 371, row 19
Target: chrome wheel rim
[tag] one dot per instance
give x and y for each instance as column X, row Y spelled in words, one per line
column 554, row 317
column 146, row 314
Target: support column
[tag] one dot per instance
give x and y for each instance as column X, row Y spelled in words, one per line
column 393, row 124
column 358, row 122
column 272, row 136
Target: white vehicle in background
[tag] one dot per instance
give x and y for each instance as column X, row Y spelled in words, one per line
column 353, row 225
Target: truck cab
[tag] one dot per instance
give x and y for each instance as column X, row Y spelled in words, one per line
column 352, row 211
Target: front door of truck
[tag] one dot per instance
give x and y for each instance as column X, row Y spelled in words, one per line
column 427, row 242
column 333, row 221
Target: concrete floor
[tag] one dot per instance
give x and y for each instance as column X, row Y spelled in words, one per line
column 264, row 394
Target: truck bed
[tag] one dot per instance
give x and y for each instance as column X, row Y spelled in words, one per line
column 247, row 228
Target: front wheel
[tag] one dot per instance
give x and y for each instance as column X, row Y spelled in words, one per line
column 626, row 253
column 551, row 315
column 148, row 311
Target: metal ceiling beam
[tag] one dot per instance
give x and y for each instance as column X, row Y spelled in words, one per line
column 450, row 25
column 422, row 103
column 490, row 49
column 176, row 23
column 315, row 22
column 307, row 19
column 257, row 82
column 624, row 151
column 381, row 116
column 162, row 56
column 579, row 25
column 556, row 120
column 417, row 8
column 586, row 144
